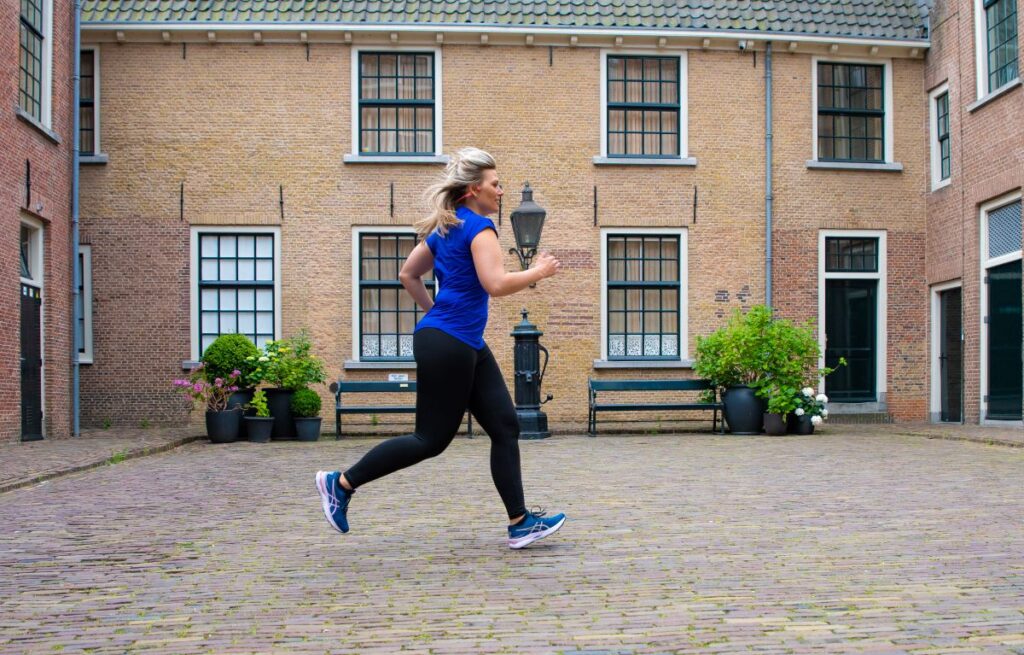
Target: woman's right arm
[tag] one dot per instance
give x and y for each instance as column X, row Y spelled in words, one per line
column 490, row 267
column 418, row 264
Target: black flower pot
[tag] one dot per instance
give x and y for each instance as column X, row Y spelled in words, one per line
column 774, row 424
column 743, row 411
column 240, row 399
column 222, row 427
column 259, row 428
column 279, row 401
column 800, row 424
column 307, row 429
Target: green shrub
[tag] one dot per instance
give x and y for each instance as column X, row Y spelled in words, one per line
column 259, row 403
column 228, row 353
column 286, row 363
column 305, row 403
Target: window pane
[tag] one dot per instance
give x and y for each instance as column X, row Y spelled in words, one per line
column 264, row 246
column 227, row 299
column 227, row 270
column 264, row 270
column 264, row 300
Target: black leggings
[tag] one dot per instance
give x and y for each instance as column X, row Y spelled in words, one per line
column 451, row 376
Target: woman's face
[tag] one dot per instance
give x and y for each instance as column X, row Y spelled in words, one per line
column 488, row 192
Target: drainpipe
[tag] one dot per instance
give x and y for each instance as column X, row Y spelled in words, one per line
column 77, row 275
column 768, row 172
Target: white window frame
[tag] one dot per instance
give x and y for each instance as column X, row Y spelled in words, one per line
column 357, row 233
column 887, row 103
column 85, row 356
column 981, row 52
column 46, row 84
column 684, row 286
column 882, row 298
column 986, row 263
column 95, row 50
column 684, row 141
column 933, row 137
column 38, row 280
column 354, row 156
column 936, row 348
column 195, row 231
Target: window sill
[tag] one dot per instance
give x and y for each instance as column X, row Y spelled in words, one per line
column 977, row 104
column 83, row 359
column 31, row 120
column 99, row 158
column 395, row 159
column 894, row 167
column 351, row 364
column 942, row 185
column 638, row 161
column 618, row 363
column 189, row 364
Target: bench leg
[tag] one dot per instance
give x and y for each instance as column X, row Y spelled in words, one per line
column 337, row 425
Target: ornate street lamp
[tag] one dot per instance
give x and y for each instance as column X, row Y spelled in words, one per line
column 527, row 223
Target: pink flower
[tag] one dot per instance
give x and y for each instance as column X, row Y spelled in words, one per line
column 197, row 387
column 218, row 382
column 235, row 373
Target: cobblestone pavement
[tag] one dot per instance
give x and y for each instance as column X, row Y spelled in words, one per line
column 834, row 543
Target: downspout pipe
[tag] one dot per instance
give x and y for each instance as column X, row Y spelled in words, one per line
column 77, row 275
column 768, row 172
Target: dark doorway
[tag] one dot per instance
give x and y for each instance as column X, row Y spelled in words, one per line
column 951, row 357
column 1005, row 375
column 31, row 365
column 850, row 327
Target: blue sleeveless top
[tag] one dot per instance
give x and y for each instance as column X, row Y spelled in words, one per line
column 460, row 304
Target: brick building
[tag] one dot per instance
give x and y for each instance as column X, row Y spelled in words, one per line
column 36, row 135
column 260, row 170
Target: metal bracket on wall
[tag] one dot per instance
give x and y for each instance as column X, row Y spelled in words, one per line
column 392, row 200
column 499, row 211
column 280, row 190
column 694, row 204
column 595, row 205
column 184, row 50
column 307, row 51
column 28, row 182
column 551, row 55
column 181, row 203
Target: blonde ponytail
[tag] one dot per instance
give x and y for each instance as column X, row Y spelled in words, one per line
column 465, row 169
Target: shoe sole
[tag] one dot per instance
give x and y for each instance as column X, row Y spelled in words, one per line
column 523, row 542
column 325, row 499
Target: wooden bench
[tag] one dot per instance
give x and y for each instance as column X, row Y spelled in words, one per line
column 343, row 387
column 606, row 386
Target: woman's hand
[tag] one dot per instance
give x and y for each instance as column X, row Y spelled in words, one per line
column 546, row 265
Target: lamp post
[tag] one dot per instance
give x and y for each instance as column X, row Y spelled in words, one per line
column 527, row 223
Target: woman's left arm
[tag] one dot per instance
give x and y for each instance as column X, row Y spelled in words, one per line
column 418, row 264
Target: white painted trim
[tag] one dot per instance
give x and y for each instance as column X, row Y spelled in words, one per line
column 38, row 281
column 95, row 49
column 986, row 263
column 86, row 356
column 887, row 144
column 882, row 311
column 36, row 246
column 980, row 51
column 357, row 232
column 684, row 286
column 684, row 122
column 194, row 274
column 47, row 84
column 936, row 313
column 935, row 155
column 353, row 154
column 729, row 35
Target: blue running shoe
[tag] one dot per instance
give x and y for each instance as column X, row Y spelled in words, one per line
column 334, row 499
column 535, row 526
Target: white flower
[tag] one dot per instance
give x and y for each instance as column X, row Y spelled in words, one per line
column 821, row 398
column 824, row 413
column 264, row 359
column 799, row 411
column 807, row 391
column 816, row 420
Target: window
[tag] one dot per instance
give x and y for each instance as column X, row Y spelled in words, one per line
column 33, row 58
column 643, row 106
column 851, row 108
column 88, row 103
column 851, row 255
column 83, row 328
column 386, row 313
column 644, row 286
column 31, row 249
column 1000, row 23
column 396, row 103
column 940, row 136
column 237, row 284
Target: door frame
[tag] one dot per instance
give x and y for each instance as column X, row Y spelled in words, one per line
column 985, row 263
column 38, row 281
column 935, row 409
column 882, row 298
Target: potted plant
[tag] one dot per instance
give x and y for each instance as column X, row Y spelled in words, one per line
column 791, row 356
column 260, row 425
column 222, row 423
column 810, row 411
column 286, row 365
column 228, row 353
column 733, row 358
column 305, row 406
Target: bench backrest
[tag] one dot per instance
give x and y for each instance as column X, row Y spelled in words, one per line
column 650, row 385
column 375, row 387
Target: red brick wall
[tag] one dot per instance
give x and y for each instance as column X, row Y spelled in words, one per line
column 51, row 187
